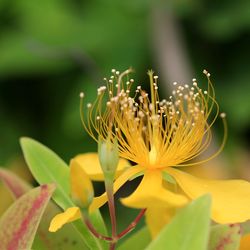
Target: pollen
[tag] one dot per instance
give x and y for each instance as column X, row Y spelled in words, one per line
column 152, row 132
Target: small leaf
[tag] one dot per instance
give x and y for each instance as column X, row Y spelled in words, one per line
column 139, row 239
column 188, row 230
column 19, row 223
column 225, row 237
column 46, row 167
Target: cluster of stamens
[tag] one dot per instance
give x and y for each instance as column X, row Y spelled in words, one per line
column 150, row 131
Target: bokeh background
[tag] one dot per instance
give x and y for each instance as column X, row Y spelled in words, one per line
column 51, row 50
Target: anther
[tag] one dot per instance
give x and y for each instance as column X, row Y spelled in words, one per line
column 223, row 115
column 206, row 73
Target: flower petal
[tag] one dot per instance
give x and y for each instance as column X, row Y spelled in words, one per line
column 230, row 198
column 151, row 192
column 90, row 163
column 82, row 191
column 71, row 214
column 157, row 218
column 102, row 199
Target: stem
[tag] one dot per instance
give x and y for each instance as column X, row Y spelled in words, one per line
column 132, row 225
column 114, row 237
column 94, row 232
column 111, row 204
column 112, row 212
column 112, row 246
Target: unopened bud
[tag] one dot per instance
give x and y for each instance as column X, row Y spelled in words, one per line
column 108, row 156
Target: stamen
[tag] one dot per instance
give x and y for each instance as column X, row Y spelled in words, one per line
column 177, row 129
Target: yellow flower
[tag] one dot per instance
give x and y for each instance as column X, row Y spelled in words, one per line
column 161, row 136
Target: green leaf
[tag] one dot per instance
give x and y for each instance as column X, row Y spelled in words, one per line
column 19, row 223
column 139, row 239
column 226, row 237
column 46, row 166
column 188, row 230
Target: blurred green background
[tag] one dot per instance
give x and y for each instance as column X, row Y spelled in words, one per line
column 51, row 50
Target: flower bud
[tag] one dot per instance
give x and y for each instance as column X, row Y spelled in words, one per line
column 108, row 156
column 82, row 191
